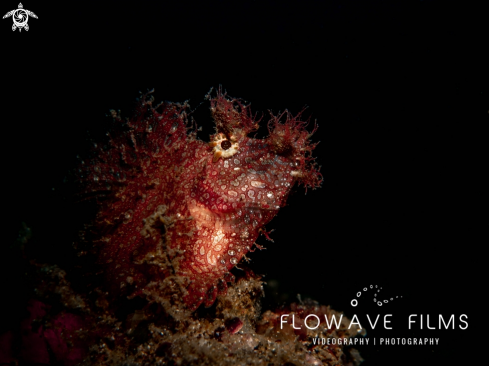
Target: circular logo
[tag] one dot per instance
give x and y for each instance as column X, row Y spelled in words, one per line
column 20, row 17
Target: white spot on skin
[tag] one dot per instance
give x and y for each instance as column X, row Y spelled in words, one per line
column 202, row 250
column 217, row 238
column 211, row 259
column 257, row 184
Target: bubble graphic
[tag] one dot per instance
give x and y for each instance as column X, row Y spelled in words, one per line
column 379, row 302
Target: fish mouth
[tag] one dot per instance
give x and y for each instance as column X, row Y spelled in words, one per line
column 227, row 222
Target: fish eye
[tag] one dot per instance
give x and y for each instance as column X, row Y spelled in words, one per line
column 225, row 144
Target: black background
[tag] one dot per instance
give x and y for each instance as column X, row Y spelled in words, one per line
column 396, row 88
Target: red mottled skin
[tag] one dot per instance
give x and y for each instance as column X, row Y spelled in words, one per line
column 209, row 201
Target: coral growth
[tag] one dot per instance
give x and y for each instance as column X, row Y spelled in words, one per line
column 206, row 203
column 67, row 328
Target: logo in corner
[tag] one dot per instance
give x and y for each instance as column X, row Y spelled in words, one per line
column 20, row 17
